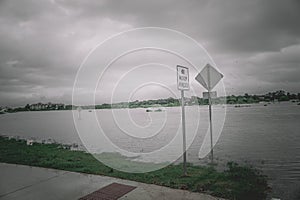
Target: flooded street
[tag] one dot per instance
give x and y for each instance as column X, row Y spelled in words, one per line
column 264, row 136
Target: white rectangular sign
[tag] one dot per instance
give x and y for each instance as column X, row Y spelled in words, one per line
column 183, row 78
column 213, row 95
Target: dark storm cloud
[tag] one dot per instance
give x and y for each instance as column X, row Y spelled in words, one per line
column 279, row 68
column 42, row 43
column 256, row 25
column 234, row 25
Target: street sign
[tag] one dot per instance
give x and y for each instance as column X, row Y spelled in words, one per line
column 213, row 95
column 209, row 77
column 183, row 78
column 79, row 112
column 183, row 84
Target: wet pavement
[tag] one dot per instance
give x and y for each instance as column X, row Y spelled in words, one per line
column 30, row 183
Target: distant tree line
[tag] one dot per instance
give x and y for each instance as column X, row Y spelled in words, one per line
column 277, row 96
column 169, row 102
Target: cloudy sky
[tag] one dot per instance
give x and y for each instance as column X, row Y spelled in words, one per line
column 256, row 44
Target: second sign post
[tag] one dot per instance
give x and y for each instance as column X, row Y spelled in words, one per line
column 209, row 77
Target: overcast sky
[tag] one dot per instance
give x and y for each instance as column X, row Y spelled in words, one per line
column 255, row 44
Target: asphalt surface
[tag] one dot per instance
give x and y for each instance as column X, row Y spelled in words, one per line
column 30, row 183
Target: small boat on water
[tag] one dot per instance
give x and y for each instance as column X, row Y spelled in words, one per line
column 155, row 109
column 242, row 106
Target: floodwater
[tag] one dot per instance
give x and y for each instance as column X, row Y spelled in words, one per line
column 264, row 136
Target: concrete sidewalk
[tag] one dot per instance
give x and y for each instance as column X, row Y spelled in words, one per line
column 30, row 183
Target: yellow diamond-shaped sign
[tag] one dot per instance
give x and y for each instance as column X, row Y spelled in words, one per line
column 209, row 77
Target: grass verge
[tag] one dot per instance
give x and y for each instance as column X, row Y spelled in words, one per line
column 236, row 182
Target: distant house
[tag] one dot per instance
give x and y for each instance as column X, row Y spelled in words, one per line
column 43, row 106
column 47, row 106
column 261, row 98
column 29, row 142
column 33, row 107
column 59, row 106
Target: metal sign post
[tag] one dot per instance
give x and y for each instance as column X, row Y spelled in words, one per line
column 183, row 132
column 183, row 84
column 79, row 112
column 208, row 78
column 210, row 115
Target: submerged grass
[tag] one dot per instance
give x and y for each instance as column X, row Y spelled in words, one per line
column 237, row 182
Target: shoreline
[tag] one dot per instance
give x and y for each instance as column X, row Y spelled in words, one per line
column 236, row 182
column 235, row 105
